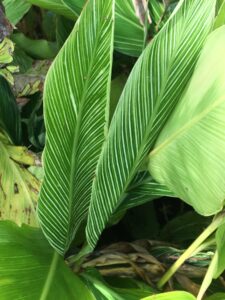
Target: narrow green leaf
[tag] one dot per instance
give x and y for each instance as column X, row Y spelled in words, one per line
column 30, row 269
column 217, row 296
column 145, row 191
column 16, row 9
column 76, row 100
column 171, row 296
column 194, row 135
column 152, row 91
column 220, row 242
column 9, row 113
column 220, row 18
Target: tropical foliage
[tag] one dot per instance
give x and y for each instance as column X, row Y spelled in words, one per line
column 112, row 149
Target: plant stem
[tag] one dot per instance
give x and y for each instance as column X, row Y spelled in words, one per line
column 208, row 277
column 218, row 221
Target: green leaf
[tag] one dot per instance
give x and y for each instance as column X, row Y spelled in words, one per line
column 9, row 113
column 76, row 101
column 194, row 135
column 151, row 92
column 103, row 291
column 184, row 229
column 143, row 192
column 217, row 296
column 30, row 269
column 16, row 9
column 64, row 27
column 220, row 18
column 171, row 296
column 57, row 6
column 220, row 242
column 117, row 86
column 18, row 190
column 41, row 49
column 129, row 32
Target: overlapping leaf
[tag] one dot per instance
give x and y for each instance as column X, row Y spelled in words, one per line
column 129, row 32
column 58, row 6
column 144, row 191
column 194, row 135
column 76, row 97
column 152, row 91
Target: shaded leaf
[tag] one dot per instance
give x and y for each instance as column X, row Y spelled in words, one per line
column 57, row 6
column 217, row 296
column 9, row 113
column 171, row 296
column 40, row 49
column 184, row 229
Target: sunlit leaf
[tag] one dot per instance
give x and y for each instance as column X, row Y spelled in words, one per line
column 194, row 135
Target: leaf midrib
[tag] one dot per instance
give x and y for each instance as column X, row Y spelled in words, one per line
column 188, row 125
column 50, row 277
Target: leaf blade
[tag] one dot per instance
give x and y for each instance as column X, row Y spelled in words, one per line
column 195, row 139
column 147, row 101
column 76, row 113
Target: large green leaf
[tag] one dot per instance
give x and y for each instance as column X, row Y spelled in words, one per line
column 76, row 101
column 194, row 135
column 9, row 113
column 16, row 9
column 18, row 189
column 152, row 90
column 30, row 269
